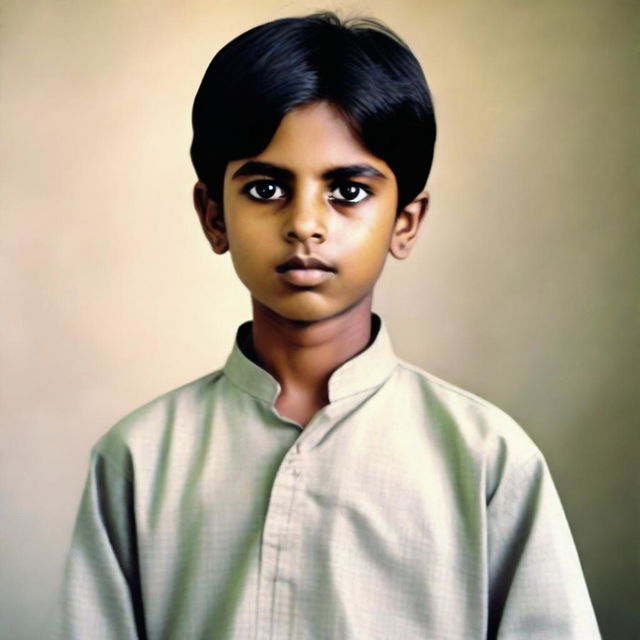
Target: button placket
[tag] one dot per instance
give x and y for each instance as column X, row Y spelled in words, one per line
column 277, row 578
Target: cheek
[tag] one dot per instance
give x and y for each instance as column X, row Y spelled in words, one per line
column 365, row 252
column 246, row 233
column 245, row 261
column 372, row 240
column 242, row 247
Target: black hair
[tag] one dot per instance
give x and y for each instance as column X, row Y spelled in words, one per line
column 358, row 65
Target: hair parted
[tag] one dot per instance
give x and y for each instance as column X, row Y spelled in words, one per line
column 358, row 65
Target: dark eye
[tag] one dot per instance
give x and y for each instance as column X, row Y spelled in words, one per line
column 265, row 190
column 349, row 192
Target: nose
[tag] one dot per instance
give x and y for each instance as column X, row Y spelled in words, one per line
column 306, row 220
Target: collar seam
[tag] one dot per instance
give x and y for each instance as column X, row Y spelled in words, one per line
column 374, row 385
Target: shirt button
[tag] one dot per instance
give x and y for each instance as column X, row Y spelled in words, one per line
column 295, row 472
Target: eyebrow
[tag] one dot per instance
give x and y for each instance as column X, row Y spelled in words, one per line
column 257, row 168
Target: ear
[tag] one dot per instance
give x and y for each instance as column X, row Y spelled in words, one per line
column 407, row 226
column 211, row 219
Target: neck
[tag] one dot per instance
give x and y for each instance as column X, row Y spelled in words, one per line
column 301, row 356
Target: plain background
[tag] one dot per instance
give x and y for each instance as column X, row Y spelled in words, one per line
column 523, row 287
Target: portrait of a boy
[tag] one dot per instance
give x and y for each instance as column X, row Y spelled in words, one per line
column 317, row 486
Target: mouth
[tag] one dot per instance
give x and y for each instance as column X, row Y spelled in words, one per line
column 305, row 271
column 304, row 263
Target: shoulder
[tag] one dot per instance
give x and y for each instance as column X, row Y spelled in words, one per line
column 476, row 418
column 141, row 433
column 472, row 430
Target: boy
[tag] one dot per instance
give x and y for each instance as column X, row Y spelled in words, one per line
column 316, row 486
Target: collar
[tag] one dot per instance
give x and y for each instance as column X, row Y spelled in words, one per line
column 367, row 370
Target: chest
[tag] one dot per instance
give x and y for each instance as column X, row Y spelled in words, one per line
column 357, row 536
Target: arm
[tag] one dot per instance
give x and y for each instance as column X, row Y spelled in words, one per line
column 101, row 596
column 537, row 590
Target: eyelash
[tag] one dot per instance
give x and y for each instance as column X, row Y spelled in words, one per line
column 250, row 186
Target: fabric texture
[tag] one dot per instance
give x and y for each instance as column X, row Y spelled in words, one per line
column 406, row 508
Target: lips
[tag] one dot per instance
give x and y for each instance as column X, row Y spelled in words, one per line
column 305, row 271
column 304, row 262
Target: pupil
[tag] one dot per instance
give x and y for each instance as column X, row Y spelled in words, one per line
column 266, row 190
column 349, row 191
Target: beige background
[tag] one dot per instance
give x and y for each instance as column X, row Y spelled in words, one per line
column 523, row 288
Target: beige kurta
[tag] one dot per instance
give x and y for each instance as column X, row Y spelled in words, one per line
column 407, row 508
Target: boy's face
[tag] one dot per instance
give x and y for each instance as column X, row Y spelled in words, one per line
column 310, row 220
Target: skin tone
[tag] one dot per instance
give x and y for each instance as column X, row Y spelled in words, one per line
column 309, row 223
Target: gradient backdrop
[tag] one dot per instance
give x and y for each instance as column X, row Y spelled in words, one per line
column 523, row 288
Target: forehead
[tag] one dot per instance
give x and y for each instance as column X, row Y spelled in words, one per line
column 312, row 139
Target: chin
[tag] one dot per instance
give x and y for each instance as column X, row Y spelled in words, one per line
column 306, row 317
column 300, row 312
column 310, row 306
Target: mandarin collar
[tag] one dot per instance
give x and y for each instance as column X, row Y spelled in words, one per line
column 367, row 370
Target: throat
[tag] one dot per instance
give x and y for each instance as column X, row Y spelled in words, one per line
column 300, row 405
column 302, row 357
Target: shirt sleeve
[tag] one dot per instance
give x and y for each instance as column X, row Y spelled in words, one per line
column 537, row 590
column 101, row 595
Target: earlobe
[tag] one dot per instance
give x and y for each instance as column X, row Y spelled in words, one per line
column 407, row 226
column 211, row 218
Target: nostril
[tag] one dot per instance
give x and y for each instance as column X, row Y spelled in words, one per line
column 304, row 228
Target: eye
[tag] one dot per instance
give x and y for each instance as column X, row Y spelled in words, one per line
column 264, row 190
column 349, row 193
